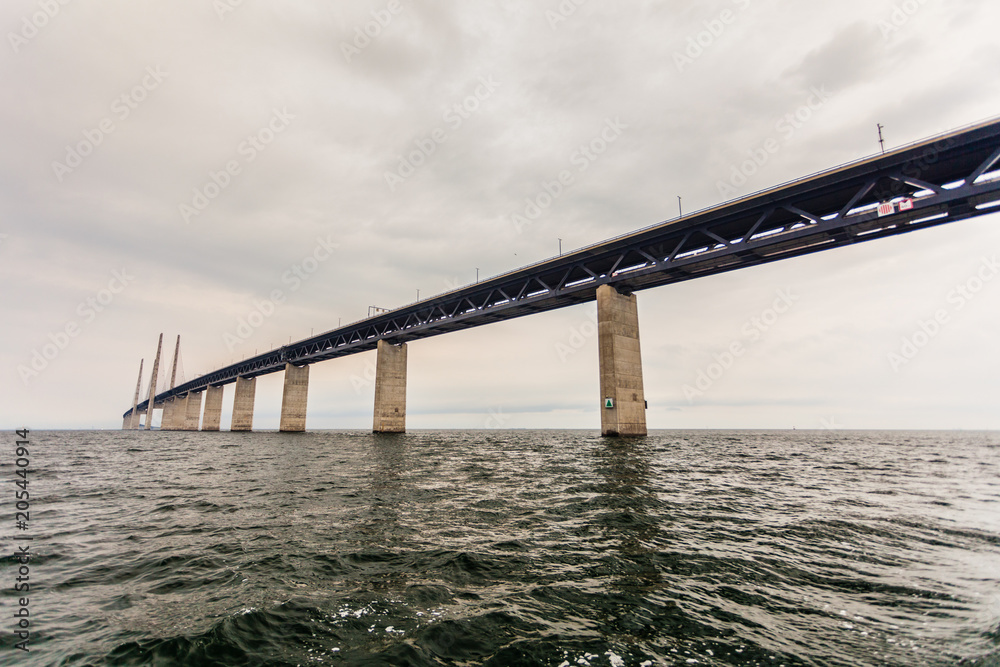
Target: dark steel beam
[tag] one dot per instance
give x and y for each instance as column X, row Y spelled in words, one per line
column 827, row 210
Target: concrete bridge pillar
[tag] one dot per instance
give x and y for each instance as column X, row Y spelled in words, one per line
column 246, row 390
column 192, row 413
column 168, row 407
column 213, row 409
column 178, row 413
column 294, row 399
column 390, row 388
column 623, row 403
column 169, row 415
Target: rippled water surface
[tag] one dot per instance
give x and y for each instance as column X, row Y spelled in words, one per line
column 512, row 548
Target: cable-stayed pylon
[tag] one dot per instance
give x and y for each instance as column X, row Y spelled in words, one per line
column 152, row 385
column 133, row 421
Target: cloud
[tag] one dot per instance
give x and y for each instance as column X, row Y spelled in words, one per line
column 854, row 55
column 325, row 175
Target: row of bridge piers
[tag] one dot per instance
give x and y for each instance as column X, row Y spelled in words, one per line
column 623, row 405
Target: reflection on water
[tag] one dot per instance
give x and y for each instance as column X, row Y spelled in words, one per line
column 632, row 520
column 517, row 548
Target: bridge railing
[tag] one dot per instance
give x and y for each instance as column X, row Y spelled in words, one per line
column 773, row 188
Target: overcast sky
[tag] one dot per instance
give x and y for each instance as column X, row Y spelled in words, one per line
column 168, row 166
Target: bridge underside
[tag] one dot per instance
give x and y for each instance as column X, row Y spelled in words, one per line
column 946, row 179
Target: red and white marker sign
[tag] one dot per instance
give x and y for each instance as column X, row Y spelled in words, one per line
column 906, row 205
column 886, row 209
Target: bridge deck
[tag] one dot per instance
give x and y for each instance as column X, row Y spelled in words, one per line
column 943, row 179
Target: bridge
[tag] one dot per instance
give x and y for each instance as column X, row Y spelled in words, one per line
column 943, row 179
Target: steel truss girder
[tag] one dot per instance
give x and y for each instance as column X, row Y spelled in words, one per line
column 828, row 210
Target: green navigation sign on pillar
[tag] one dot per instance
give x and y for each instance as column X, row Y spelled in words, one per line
column 609, row 403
